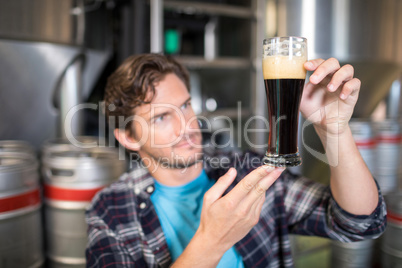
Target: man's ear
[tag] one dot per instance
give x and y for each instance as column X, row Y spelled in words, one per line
column 125, row 139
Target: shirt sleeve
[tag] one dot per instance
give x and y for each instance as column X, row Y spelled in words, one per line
column 104, row 248
column 312, row 210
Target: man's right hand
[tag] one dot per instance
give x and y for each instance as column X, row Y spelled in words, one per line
column 225, row 220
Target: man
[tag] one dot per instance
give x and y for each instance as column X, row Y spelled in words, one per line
column 178, row 208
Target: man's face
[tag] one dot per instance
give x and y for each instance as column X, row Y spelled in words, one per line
column 167, row 127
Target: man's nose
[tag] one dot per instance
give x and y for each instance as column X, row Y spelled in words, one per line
column 184, row 124
column 179, row 124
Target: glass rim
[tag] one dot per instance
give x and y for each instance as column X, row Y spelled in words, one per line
column 297, row 38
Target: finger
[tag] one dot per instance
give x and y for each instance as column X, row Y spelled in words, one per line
column 311, row 65
column 324, row 69
column 217, row 190
column 343, row 75
column 256, row 209
column 310, row 92
column 352, row 87
column 261, row 187
column 247, row 183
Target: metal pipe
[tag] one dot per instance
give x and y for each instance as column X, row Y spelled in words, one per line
column 70, row 95
column 138, row 21
column 258, row 98
column 211, row 39
column 156, row 26
column 79, row 12
column 394, row 100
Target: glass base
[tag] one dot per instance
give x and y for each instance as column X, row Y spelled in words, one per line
column 283, row 160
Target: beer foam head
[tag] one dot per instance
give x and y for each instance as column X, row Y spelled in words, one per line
column 284, row 67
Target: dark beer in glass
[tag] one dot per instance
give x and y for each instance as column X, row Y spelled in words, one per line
column 284, row 77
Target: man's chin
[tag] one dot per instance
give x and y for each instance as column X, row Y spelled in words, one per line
column 187, row 152
column 182, row 165
column 179, row 161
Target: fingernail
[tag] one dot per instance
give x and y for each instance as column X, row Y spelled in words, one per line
column 330, row 87
column 281, row 169
column 231, row 171
column 343, row 96
column 313, row 78
column 268, row 168
column 309, row 64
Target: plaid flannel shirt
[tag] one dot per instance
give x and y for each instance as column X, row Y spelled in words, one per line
column 124, row 229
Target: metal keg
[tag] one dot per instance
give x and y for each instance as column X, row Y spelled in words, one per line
column 21, row 243
column 352, row 255
column 391, row 242
column 60, row 144
column 72, row 176
column 388, row 154
column 364, row 136
column 18, row 146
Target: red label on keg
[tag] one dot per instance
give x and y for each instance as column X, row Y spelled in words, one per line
column 366, row 143
column 390, row 139
column 65, row 194
column 19, row 201
column 395, row 218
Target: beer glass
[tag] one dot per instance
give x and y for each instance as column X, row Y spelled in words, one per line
column 284, row 77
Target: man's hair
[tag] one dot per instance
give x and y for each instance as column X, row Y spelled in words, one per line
column 133, row 83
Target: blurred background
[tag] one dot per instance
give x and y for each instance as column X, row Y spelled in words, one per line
column 56, row 55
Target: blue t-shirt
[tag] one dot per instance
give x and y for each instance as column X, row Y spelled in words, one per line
column 179, row 212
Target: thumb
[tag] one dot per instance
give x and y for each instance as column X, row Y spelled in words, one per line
column 217, row 190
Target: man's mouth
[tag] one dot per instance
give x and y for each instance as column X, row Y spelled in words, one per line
column 188, row 141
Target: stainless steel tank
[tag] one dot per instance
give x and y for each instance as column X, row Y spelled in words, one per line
column 365, row 33
column 21, row 243
column 72, row 176
column 364, row 136
column 49, row 35
column 388, row 154
column 391, row 242
column 346, row 29
column 352, row 255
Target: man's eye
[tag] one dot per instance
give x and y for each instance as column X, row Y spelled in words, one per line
column 185, row 105
column 159, row 119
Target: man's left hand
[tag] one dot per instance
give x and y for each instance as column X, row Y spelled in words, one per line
column 330, row 95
